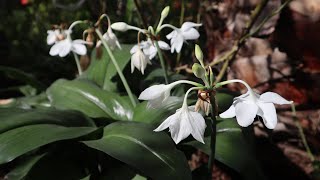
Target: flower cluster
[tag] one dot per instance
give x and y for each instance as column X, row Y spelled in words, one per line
column 63, row 44
column 145, row 51
column 189, row 120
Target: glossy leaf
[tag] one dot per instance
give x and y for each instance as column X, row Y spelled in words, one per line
column 101, row 68
column 154, row 154
column 16, row 142
column 90, row 99
column 14, row 117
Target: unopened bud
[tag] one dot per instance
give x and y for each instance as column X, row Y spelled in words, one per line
column 199, row 54
column 198, row 70
column 120, row 26
column 165, row 12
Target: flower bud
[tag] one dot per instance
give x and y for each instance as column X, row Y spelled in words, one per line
column 199, row 54
column 198, row 70
column 165, row 12
column 120, row 26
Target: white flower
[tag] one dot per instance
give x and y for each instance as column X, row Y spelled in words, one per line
column 156, row 95
column 186, row 32
column 63, row 47
column 111, row 39
column 250, row 104
column 149, row 48
column 52, row 36
column 183, row 123
column 56, row 35
column 139, row 60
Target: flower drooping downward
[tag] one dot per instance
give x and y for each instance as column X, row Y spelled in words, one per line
column 250, row 104
column 139, row 60
column 183, row 123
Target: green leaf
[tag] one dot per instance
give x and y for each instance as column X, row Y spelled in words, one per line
column 102, row 70
column 154, row 154
column 20, row 171
column 90, row 99
column 232, row 149
column 13, row 118
column 19, row 141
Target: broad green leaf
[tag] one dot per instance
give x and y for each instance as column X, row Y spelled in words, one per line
column 232, row 149
column 90, row 99
column 16, row 142
column 13, row 118
column 21, row 170
column 28, row 102
column 102, row 70
column 154, row 154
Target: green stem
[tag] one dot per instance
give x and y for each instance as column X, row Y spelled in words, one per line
column 181, row 22
column 123, row 79
column 303, row 137
column 213, row 134
column 76, row 58
column 162, row 62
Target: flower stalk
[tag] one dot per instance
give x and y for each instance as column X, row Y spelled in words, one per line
column 163, row 65
column 213, row 122
column 123, row 79
column 76, row 58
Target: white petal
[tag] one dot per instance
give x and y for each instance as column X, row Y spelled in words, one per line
column 51, row 38
column 150, row 52
column 187, row 25
column 135, row 59
column 198, row 126
column 190, row 34
column 55, row 49
column 268, row 113
column 245, row 113
column 180, row 127
column 154, row 92
column 98, row 44
column 163, row 45
column 229, row 113
column 171, row 35
column 165, row 124
column 176, row 43
column 79, row 48
column 273, row 98
column 65, row 49
column 134, row 49
column 132, row 65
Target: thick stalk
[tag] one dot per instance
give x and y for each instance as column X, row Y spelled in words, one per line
column 123, row 79
column 76, row 58
column 163, row 65
column 213, row 134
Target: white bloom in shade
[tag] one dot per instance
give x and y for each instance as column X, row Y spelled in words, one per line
column 139, row 60
column 183, row 123
column 149, row 48
column 111, row 39
column 52, row 36
column 250, row 104
column 186, row 32
column 156, row 94
column 63, row 47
